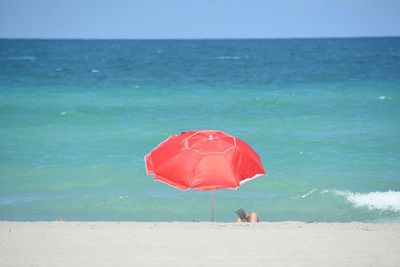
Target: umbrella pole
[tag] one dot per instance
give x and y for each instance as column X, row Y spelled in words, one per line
column 212, row 206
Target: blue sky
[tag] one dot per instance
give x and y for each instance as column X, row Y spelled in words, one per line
column 149, row 19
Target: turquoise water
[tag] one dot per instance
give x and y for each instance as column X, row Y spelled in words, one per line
column 77, row 118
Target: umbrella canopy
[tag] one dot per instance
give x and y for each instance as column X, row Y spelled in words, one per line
column 204, row 160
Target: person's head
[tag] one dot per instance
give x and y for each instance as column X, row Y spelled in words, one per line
column 242, row 214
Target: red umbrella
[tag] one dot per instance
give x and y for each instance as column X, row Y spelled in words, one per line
column 204, row 160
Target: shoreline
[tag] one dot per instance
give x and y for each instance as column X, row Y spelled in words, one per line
column 64, row 243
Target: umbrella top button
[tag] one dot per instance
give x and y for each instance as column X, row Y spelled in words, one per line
column 210, row 142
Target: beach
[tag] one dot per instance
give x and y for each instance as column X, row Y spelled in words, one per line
column 199, row 133
column 78, row 116
column 63, row 243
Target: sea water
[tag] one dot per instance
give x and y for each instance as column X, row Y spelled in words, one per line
column 78, row 116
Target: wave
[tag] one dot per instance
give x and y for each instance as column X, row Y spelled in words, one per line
column 383, row 97
column 70, row 112
column 312, row 191
column 389, row 200
column 22, row 58
column 229, row 57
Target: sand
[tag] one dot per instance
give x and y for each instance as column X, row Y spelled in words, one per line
column 198, row 244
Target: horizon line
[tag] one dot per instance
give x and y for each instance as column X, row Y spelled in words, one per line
column 192, row 38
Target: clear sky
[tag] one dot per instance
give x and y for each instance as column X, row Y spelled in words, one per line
column 144, row 19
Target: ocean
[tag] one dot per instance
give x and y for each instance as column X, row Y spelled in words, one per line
column 77, row 118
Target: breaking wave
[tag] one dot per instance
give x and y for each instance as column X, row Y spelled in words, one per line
column 389, row 200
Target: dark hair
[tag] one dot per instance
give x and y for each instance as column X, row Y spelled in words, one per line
column 241, row 213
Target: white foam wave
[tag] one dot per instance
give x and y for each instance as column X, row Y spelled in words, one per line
column 229, row 57
column 68, row 112
column 305, row 194
column 389, row 200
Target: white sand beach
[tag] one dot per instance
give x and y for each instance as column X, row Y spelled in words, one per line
column 198, row 244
